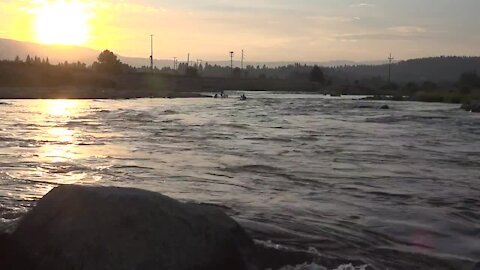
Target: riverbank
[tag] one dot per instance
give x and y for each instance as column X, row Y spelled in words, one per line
column 467, row 101
column 70, row 92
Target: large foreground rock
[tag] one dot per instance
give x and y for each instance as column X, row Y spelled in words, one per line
column 106, row 228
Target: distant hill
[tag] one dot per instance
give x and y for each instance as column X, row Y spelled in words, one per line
column 437, row 69
column 9, row 49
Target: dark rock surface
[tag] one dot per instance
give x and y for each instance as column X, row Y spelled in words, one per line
column 473, row 106
column 372, row 106
column 81, row 227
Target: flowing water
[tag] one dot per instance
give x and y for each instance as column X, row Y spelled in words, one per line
column 394, row 189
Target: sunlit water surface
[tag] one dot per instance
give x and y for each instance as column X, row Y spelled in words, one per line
column 394, row 188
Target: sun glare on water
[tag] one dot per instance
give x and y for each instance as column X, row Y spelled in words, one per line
column 62, row 22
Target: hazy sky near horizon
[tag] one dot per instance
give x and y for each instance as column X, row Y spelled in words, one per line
column 268, row 30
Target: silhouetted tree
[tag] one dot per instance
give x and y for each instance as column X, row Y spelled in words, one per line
column 410, row 88
column 469, row 79
column 191, row 72
column 429, row 86
column 390, row 87
column 316, row 75
column 237, row 73
column 108, row 63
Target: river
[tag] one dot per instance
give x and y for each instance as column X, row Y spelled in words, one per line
column 394, row 189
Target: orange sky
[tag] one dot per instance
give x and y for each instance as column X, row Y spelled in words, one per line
column 268, row 30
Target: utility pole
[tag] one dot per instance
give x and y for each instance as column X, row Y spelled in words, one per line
column 151, row 53
column 231, row 60
column 242, row 59
column 199, row 63
column 390, row 59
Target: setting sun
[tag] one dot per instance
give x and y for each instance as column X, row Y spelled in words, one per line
column 63, row 23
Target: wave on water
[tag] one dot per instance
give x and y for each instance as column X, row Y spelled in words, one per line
column 280, row 257
column 362, row 186
column 401, row 118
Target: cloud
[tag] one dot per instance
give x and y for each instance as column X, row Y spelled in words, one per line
column 333, row 19
column 407, row 29
column 362, row 5
column 391, row 33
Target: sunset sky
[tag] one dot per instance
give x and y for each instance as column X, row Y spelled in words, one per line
column 268, row 30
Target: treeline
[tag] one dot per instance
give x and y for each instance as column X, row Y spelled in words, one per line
column 443, row 76
column 436, row 69
column 39, row 72
column 293, row 71
column 35, row 71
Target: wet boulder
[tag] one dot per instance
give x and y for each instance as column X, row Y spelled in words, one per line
column 473, row 106
column 364, row 106
column 81, row 227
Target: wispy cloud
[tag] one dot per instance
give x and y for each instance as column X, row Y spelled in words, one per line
column 407, row 29
column 362, row 5
column 389, row 34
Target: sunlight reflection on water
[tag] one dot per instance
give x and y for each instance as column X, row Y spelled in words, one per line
column 326, row 173
column 60, row 107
